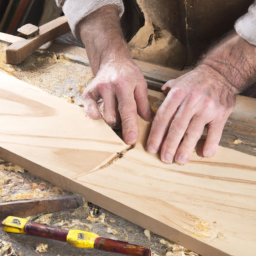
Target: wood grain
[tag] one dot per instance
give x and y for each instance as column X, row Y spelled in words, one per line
column 18, row 51
column 207, row 206
column 51, row 132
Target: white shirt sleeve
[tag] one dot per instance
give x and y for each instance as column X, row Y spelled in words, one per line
column 76, row 10
column 246, row 25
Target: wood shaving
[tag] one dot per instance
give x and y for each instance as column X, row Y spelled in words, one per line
column 73, row 224
column 147, row 234
column 6, row 249
column 14, row 168
column 41, row 248
column 45, row 219
column 112, row 231
column 237, row 142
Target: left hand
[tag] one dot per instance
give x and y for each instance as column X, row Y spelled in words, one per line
column 202, row 96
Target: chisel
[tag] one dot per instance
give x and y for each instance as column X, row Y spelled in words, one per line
column 77, row 238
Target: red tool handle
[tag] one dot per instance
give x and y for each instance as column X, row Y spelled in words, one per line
column 36, row 229
column 120, row 247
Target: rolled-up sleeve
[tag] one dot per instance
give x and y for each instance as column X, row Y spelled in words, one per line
column 246, row 25
column 76, row 10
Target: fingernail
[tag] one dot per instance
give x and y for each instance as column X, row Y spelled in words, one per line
column 151, row 149
column 182, row 159
column 168, row 158
column 132, row 138
column 112, row 121
column 208, row 153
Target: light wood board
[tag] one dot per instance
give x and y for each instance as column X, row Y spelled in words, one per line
column 52, row 133
column 208, row 206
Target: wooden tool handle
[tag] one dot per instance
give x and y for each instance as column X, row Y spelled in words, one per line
column 18, row 51
column 40, row 230
column 120, row 247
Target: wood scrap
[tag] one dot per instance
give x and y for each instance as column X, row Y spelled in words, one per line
column 18, row 51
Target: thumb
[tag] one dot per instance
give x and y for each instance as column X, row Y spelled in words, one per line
column 167, row 86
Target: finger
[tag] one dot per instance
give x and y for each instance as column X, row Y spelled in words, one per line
column 128, row 112
column 213, row 137
column 191, row 137
column 177, row 129
column 141, row 98
column 110, row 108
column 162, row 120
column 90, row 104
column 167, row 86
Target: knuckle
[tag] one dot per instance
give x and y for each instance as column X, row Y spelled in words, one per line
column 177, row 126
column 209, row 103
column 159, row 118
column 177, row 94
column 102, row 86
column 120, row 87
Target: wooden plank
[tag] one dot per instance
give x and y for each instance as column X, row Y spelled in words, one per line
column 18, row 51
column 10, row 39
column 52, row 133
column 208, row 205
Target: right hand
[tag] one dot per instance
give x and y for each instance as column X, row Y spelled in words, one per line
column 123, row 90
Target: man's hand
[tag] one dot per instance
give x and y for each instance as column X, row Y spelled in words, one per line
column 123, row 90
column 200, row 97
column 119, row 81
column 204, row 96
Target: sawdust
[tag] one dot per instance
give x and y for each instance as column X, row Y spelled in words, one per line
column 147, row 234
column 73, row 224
column 16, row 184
column 6, row 249
column 41, row 248
column 202, row 229
column 13, row 168
column 112, row 231
column 237, row 142
column 44, row 219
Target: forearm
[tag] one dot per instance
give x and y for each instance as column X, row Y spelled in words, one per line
column 102, row 36
column 233, row 58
